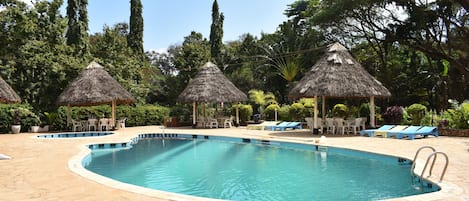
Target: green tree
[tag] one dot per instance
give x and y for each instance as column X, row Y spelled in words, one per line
column 435, row 28
column 34, row 57
column 261, row 99
column 77, row 31
column 135, row 40
column 110, row 49
column 178, row 66
column 216, row 33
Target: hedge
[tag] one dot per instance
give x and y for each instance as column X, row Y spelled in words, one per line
column 141, row 115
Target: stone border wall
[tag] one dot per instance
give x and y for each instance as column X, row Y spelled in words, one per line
column 454, row 132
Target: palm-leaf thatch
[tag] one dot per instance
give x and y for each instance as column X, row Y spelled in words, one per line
column 338, row 74
column 211, row 86
column 7, row 94
column 94, row 86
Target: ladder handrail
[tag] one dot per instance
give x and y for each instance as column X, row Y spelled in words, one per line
column 428, row 159
column 416, row 155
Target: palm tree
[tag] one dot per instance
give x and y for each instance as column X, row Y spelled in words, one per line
column 261, row 99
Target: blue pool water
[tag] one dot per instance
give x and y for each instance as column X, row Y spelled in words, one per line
column 249, row 171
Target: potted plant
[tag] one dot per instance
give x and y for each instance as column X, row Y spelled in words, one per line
column 50, row 117
column 16, row 121
column 35, row 129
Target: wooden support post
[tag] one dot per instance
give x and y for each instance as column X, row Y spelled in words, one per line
column 372, row 112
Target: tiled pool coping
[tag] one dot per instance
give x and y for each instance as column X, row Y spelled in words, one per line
column 75, row 134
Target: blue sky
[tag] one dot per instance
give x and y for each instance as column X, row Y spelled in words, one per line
column 167, row 22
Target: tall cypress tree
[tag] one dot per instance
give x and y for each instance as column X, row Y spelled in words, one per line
column 77, row 32
column 216, row 33
column 135, row 38
column 83, row 26
column 72, row 35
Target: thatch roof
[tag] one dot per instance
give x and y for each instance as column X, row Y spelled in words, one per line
column 210, row 85
column 7, row 94
column 338, row 74
column 94, row 86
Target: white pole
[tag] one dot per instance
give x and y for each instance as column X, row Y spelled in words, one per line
column 315, row 123
column 113, row 111
column 194, row 116
column 237, row 113
column 372, row 111
column 323, row 109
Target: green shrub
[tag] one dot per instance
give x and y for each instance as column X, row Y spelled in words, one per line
column 269, row 112
column 416, row 113
column 181, row 112
column 245, row 112
column 141, row 115
column 309, row 106
column 26, row 117
column 354, row 111
column 406, row 119
column 458, row 117
column 364, row 110
column 284, row 113
column 430, row 119
column 340, row 110
column 297, row 112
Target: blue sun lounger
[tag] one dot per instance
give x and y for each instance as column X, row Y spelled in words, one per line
column 370, row 132
column 283, row 127
column 424, row 132
column 396, row 134
column 272, row 127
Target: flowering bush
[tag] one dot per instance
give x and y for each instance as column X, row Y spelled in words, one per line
column 393, row 115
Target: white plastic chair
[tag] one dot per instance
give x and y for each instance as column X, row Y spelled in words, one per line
column 363, row 123
column 340, row 126
column 201, row 122
column 355, row 125
column 330, row 126
column 76, row 126
column 212, row 123
column 92, row 123
column 310, row 123
column 320, row 125
column 228, row 123
column 104, row 124
column 120, row 123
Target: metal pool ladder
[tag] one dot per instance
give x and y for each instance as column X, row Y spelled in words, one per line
column 433, row 155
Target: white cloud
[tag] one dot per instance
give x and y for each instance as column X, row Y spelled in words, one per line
column 29, row 2
column 160, row 50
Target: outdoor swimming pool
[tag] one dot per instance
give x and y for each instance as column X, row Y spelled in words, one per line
column 247, row 169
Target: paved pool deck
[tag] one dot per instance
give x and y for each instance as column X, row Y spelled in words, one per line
column 49, row 170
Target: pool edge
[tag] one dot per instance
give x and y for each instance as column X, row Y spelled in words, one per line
column 75, row 164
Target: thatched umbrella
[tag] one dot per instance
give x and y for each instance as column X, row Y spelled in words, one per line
column 338, row 74
column 7, row 94
column 94, row 86
column 211, row 86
